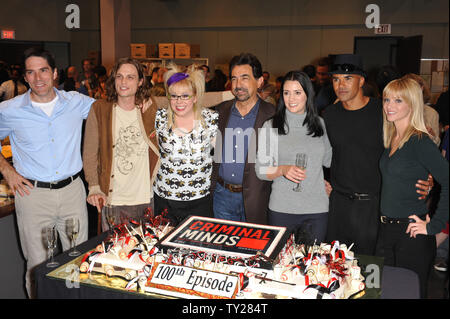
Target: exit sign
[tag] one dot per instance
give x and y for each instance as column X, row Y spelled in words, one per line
column 383, row 29
column 8, row 34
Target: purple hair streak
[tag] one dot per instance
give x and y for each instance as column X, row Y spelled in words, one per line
column 177, row 77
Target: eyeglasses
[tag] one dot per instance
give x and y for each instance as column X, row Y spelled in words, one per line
column 345, row 68
column 183, row 97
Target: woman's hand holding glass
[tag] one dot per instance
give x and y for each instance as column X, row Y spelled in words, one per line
column 292, row 173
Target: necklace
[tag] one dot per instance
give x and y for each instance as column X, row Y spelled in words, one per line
column 182, row 131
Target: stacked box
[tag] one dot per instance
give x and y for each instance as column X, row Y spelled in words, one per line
column 143, row 50
column 186, row 51
column 166, row 50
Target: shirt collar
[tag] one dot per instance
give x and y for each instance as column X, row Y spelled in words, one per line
column 27, row 98
column 253, row 112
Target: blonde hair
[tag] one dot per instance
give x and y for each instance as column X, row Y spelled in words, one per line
column 410, row 92
column 195, row 81
column 425, row 89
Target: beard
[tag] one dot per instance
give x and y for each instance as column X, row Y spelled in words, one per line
column 241, row 94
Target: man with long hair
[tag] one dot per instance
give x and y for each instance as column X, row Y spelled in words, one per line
column 120, row 153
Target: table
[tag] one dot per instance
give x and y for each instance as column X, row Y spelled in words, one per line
column 396, row 283
column 7, row 208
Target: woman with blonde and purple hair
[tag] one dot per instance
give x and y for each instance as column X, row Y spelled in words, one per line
column 186, row 133
column 407, row 231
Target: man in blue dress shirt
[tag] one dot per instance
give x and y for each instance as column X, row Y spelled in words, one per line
column 238, row 193
column 44, row 126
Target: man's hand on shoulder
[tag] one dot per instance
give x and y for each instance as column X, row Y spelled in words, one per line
column 424, row 187
column 144, row 106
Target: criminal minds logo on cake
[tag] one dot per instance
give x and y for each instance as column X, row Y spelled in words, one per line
column 226, row 237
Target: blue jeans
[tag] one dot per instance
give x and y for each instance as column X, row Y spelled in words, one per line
column 228, row 205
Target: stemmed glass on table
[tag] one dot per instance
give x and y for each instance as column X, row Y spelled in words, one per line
column 51, row 237
column 301, row 159
column 73, row 229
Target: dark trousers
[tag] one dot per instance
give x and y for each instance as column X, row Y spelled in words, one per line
column 401, row 250
column 178, row 210
column 306, row 227
column 354, row 221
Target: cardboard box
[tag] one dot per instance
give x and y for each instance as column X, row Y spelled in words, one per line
column 186, row 51
column 182, row 51
column 166, row 50
column 143, row 50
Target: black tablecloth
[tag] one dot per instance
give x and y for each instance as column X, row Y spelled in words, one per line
column 396, row 283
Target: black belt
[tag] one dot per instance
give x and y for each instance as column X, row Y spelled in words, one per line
column 356, row 196
column 234, row 188
column 391, row 220
column 55, row 185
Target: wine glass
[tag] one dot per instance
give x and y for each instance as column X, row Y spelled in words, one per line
column 301, row 160
column 51, row 237
column 73, row 229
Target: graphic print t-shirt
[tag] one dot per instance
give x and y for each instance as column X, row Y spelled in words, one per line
column 131, row 177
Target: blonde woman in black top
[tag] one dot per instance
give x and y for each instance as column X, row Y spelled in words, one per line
column 407, row 229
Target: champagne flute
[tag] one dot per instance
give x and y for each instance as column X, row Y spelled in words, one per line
column 73, row 229
column 51, row 237
column 301, row 160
